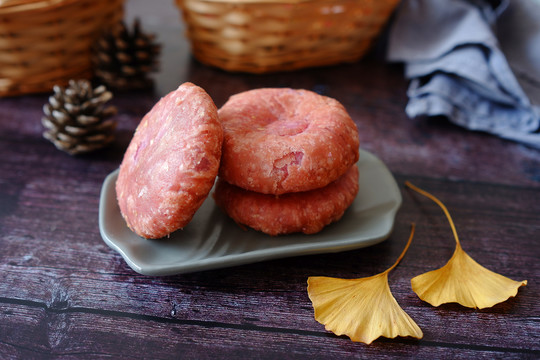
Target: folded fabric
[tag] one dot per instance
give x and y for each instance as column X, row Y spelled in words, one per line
column 458, row 70
column 518, row 32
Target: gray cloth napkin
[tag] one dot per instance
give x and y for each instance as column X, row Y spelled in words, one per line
column 458, row 70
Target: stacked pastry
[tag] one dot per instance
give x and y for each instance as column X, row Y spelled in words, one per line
column 285, row 158
column 288, row 160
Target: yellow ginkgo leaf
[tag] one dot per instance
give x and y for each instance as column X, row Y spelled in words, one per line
column 363, row 309
column 462, row 280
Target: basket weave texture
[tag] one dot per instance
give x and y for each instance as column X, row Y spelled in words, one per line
column 48, row 42
column 260, row 36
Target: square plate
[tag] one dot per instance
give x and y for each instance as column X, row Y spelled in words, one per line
column 212, row 240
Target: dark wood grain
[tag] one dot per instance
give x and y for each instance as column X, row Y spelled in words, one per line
column 65, row 294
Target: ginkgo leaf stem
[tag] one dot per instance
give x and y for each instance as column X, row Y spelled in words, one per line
column 441, row 205
column 404, row 250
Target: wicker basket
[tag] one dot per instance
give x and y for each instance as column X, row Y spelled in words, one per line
column 47, row 42
column 259, row 36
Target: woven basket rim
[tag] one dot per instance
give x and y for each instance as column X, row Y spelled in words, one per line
column 47, row 42
column 13, row 6
column 284, row 2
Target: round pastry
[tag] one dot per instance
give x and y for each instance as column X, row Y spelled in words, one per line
column 278, row 141
column 308, row 212
column 171, row 163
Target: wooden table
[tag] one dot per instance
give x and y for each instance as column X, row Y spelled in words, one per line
column 65, row 294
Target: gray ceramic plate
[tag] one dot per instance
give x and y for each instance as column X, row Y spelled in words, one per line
column 211, row 240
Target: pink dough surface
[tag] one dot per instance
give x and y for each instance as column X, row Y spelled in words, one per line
column 308, row 212
column 171, row 163
column 284, row 140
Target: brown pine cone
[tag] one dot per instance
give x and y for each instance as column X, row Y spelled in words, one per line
column 123, row 59
column 76, row 119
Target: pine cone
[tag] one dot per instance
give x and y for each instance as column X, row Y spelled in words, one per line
column 123, row 59
column 76, row 119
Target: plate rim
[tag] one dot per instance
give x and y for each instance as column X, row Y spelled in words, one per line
column 246, row 257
